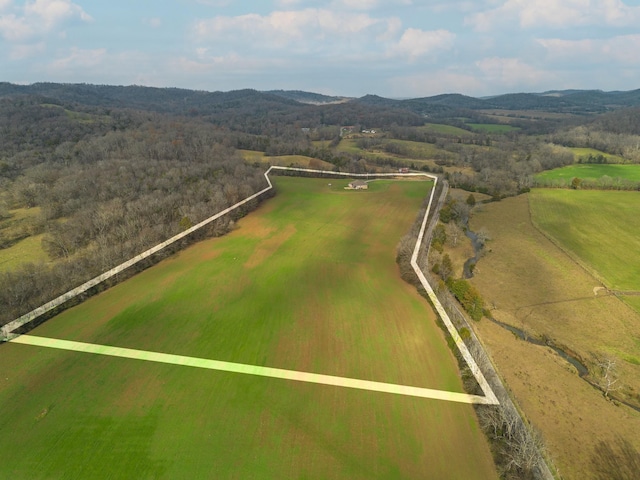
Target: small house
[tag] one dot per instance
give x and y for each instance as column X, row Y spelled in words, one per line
column 358, row 185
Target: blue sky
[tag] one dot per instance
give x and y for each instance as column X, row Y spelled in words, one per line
column 393, row 48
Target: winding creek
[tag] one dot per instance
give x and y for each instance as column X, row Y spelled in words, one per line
column 581, row 368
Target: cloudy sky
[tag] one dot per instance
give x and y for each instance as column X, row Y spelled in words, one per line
column 393, row 48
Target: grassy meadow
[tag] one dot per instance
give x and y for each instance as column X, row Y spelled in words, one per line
column 493, row 127
column 536, row 285
column 307, row 282
column 583, row 153
column 600, row 228
column 24, row 251
column 413, row 151
column 18, row 231
column 592, row 171
column 302, row 161
column 446, row 129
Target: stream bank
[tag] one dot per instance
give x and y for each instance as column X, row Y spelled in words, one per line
column 581, row 368
column 583, row 371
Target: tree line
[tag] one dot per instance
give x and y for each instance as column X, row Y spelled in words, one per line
column 109, row 197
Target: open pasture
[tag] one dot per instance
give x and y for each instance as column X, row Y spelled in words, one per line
column 308, row 282
column 253, row 156
column 18, row 235
column 599, row 228
column 444, row 129
column 592, row 171
column 582, row 153
column 536, row 285
column 498, row 128
column 407, row 150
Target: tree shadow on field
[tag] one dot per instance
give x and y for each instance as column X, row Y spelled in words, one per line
column 618, row 460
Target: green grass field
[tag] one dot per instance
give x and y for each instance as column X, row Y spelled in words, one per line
column 21, row 225
column 308, row 282
column 592, row 171
column 584, row 153
column 445, row 129
column 534, row 285
column 27, row 250
column 601, row 228
column 285, row 160
column 493, row 127
column 414, row 150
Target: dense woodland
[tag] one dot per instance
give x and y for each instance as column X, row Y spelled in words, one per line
column 114, row 170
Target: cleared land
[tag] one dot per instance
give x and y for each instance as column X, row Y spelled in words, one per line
column 286, row 160
column 24, row 251
column 592, row 171
column 534, row 285
column 308, row 283
column 493, row 127
column 600, row 228
column 413, row 152
column 585, row 153
column 17, row 232
column 446, row 129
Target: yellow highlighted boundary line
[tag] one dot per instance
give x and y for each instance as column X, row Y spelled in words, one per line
column 248, row 369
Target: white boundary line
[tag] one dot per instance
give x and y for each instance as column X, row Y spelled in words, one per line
column 489, row 398
column 248, row 369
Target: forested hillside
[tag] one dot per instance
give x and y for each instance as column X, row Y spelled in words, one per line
column 99, row 173
column 108, row 185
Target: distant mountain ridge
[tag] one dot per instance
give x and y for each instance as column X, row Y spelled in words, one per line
column 184, row 101
column 308, row 97
column 564, row 101
column 163, row 100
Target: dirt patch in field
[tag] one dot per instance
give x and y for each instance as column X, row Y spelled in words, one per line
column 136, row 393
column 209, row 253
column 269, row 246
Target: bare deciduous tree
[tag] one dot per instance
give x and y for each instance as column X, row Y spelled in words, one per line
column 608, row 380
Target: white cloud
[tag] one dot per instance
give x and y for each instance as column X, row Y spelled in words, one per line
column 38, row 18
column 79, row 58
column 415, row 43
column 206, row 63
column 13, row 28
column 18, row 52
column 623, row 49
column 342, row 5
column 512, row 72
column 340, row 36
column 288, row 3
column 54, row 12
column 394, row 26
column 434, row 83
column 555, row 14
column 296, row 30
column 356, row 4
column 103, row 66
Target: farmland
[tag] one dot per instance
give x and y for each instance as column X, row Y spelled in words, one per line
column 546, row 288
column 582, row 153
column 18, row 237
column 444, row 129
column 285, row 160
column 498, row 128
column 308, row 282
column 592, row 171
column 598, row 228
